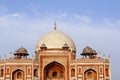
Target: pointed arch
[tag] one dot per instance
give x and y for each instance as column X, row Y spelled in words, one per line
column 18, row 74
column 54, row 70
column 90, row 74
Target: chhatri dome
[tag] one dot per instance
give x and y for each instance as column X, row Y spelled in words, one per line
column 55, row 40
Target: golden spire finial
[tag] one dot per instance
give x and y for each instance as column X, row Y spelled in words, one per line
column 55, row 26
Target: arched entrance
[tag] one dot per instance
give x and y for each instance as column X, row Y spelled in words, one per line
column 54, row 71
column 18, row 75
column 90, row 75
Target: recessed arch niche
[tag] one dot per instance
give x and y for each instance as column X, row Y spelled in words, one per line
column 18, row 75
column 90, row 74
column 54, row 70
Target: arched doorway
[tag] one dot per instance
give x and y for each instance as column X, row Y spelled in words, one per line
column 90, row 75
column 54, row 71
column 18, row 75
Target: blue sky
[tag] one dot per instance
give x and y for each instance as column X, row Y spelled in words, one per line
column 94, row 23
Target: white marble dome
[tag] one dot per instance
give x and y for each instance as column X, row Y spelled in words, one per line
column 55, row 39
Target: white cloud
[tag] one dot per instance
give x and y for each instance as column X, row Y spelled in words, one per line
column 20, row 29
column 15, row 14
column 83, row 19
column 73, row 24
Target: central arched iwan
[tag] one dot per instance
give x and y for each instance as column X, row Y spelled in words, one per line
column 55, row 71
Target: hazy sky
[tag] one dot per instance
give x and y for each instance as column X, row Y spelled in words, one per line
column 94, row 23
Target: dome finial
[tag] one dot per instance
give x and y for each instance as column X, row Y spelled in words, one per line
column 54, row 25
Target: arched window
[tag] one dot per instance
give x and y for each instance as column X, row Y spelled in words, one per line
column 54, row 74
column 73, row 73
column 19, row 75
column 35, row 73
column 107, row 72
column 2, row 72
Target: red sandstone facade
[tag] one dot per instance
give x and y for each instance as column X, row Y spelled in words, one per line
column 55, row 60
